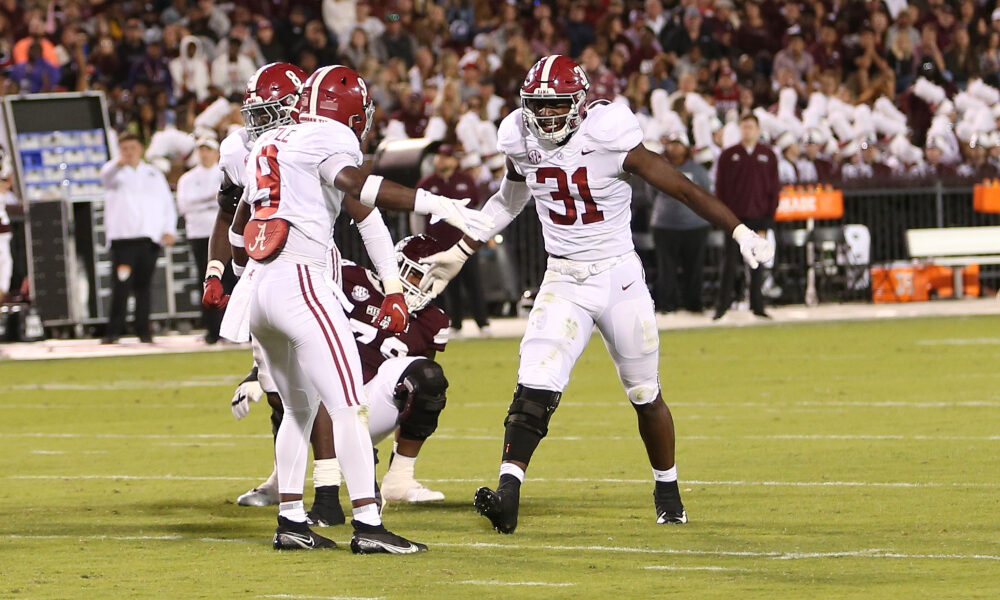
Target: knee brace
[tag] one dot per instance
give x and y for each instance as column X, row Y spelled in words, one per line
column 420, row 398
column 531, row 409
column 643, row 393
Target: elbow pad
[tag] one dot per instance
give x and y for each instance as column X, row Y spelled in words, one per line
column 229, row 197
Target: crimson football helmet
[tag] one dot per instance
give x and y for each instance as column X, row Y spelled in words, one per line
column 270, row 99
column 339, row 94
column 554, row 80
column 409, row 251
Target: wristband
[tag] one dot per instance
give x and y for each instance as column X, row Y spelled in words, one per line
column 392, row 286
column 740, row 231
column 423, row 202
column 238, row 268
column 369, row 191
column 465, row 248
column 215, row 269
column 235, row 239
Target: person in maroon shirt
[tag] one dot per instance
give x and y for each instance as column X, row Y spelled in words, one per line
column 448, row 180
column 747, row 182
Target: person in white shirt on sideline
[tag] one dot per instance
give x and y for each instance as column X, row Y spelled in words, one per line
column 196, row 201
column 139, row 217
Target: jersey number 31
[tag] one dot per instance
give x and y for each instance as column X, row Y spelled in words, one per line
column 564, row 195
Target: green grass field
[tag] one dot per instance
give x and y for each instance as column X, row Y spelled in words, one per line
column 829, row 461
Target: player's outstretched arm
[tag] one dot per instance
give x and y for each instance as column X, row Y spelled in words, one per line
column 374, row 190
column 502, row 208
column 663, row 176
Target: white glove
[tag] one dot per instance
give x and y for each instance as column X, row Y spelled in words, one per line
column 443, row 267
column 248, row 391
column 755, row 249
column 471, row 222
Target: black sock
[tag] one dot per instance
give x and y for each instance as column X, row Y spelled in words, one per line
column 327, row 494
column 509, row 483
column 667, row 487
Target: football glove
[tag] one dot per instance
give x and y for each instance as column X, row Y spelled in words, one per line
column 754, row 248
column 247, row 392
column 454, row 212
column 392, row 316
column 443, row 267
column 214, row 296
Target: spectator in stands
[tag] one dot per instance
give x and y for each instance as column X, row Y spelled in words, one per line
column 547, row 40
column 363, row 18
column 230, row 71
column 796, row 60
column 139, row 218
column 747, row 182
column 679, row 235
column 271, row 48
column 36, row 74
column 189, row 71
column 36, row 35
column 131, row 50
column 960, row 60
column 933, row 169
column 293, row 29
column 318, row 42
column 579, row 31
column 825, row 169
column 398, row 43
column 603, row 84
column 358, row 48
column 197, row 203
column 152, row 70
column 825, row 51
column 466, row 290
column 216, row 17
column 977, row 166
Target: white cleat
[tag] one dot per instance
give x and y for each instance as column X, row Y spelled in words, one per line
column 259, row 496
column 407, row 490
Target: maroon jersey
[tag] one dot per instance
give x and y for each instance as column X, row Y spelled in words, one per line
column 426, row 332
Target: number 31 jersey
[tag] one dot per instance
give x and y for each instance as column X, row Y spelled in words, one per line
column 582, row 193
column 426, row 331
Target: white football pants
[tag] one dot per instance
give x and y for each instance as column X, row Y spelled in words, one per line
column 573, row 298
column 308, row 347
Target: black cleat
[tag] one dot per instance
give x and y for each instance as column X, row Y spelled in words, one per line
column 376, row 539
column 326, row 510
column 669, row 509
column 297, row 536
column 500, row 507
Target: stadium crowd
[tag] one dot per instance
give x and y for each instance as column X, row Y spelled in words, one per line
column 861, row 90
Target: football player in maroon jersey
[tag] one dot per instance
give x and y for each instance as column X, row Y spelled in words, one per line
column 404, row 386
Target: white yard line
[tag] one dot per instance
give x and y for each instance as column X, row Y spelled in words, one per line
column 866, row 553
column 141, row 436
column 124, row 385
column 705, row 568
column 47, row 452
column 510, row 583
column 984, row 341
column 734, row 483
column 307, row 597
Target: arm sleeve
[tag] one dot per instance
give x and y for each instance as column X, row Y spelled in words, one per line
column 378, row 242
column 506, row 204
column 108, row 172
column 332, row 166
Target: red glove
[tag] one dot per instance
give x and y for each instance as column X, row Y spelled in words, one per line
column 393, row 315
column 214, row 296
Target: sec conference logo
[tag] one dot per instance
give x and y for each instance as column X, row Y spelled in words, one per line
column 360, row 293
column 534, row 157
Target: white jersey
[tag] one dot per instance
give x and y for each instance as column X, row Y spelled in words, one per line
column 283, row 181
column 582, row 193
column 233, row 153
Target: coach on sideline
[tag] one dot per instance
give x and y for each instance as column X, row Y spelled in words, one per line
column 746, row 180
column 139, row 217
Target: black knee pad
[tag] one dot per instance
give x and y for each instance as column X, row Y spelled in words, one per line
column 420, row 398
column 531, row 409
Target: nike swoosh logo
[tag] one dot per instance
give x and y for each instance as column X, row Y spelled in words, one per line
column 625, row 287
column 586, row 152
column 305, row 541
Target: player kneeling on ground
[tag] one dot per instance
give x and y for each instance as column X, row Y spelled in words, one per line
column 404, row 386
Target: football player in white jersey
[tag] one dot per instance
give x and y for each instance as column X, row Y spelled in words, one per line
column 576, row 160
column 298, row 178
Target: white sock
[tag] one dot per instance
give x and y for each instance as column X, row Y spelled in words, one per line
column 666, row 476
column 512, row 469
column 402, row 465
column 293, row 511
column 367, row 514
column 354, row 451
column 326, row 472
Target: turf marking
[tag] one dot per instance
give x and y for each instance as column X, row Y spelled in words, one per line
column 123, row 385
column 494, row 582
column 47, row 452
column 867, row 553
column 142, row 436
column 296, row 596
column 706, row 568
column 890, row 484
column 988, row 341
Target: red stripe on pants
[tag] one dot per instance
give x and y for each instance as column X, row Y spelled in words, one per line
column 336, row 339
column 322, row 327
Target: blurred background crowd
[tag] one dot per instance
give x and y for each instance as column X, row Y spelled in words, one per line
column 860, row 91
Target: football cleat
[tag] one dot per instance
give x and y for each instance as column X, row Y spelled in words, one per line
column 376, row 539
column 669, row 509
column 407, row 489
column 500, row 507
column 259, row 496
column 297, row 536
